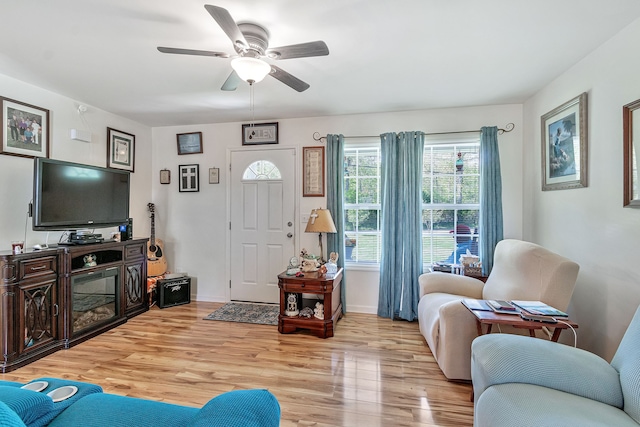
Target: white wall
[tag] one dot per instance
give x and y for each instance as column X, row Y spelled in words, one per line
column 589, row 225
column 16, row 173
column 194, row 226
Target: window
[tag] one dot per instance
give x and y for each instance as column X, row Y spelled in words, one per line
column 450, row 197
column 261, row 169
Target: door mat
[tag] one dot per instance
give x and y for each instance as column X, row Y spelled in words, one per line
column 243, row 312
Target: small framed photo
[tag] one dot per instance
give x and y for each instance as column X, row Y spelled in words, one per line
column 564, row 145
column 189, row 176
column 165, row 176
column 214, row 175
column 121, row 150
column 26, row 129
column 260, row 133
column 189, row 143
column 313, row 171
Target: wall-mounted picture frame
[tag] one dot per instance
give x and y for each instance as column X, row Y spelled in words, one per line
column 313, row 171
column 121, row 150
column 565, row 145
column 26, row 129
column 165, row 176
column 189, row 143
column 189, row 178
column 214, row 175
column 260, row 133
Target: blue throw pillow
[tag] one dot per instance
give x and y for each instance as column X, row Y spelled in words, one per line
column 29, row 405
column 240, row 408
column 8, row 418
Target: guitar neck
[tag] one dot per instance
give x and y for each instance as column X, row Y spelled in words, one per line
column 153, row 229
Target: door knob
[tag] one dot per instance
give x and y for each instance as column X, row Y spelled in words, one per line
column 289, row 235
column 290, row 224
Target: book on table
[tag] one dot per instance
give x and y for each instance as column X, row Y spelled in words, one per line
column 502, row 306
column 538, row 307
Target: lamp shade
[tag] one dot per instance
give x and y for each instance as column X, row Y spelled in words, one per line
column 320, row 221
column 249, row 69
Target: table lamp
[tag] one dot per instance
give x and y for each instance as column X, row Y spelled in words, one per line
column 320, row 221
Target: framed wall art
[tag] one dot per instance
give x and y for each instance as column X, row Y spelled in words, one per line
column 189, row 178
column 165, row 176
column 313, row 171
column 260, row 133
column 121, row 150
column 189, row 143
column 564, row 145
column 26, row 129
column 214, row 175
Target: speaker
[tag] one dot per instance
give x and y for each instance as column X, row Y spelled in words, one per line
column 173, row 292
column 126, row 230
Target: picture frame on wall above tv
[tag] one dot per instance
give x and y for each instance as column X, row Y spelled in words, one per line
column 26, row 130
column 189, row 143
column 121, row 150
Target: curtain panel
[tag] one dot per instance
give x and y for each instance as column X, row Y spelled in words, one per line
column 491, row 221
column 401, row 224
column 335, row 204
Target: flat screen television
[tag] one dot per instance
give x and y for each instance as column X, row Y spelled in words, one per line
column 72, row 196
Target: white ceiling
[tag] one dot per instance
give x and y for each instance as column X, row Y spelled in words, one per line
column 384, row 55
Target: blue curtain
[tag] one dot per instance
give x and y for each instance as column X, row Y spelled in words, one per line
column 401, row 202
column 335, row 203
column 491, row 231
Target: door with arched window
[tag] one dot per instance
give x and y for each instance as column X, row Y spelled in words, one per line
column 262, row 222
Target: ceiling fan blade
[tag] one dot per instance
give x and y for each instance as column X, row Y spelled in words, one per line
column 302, row 50
column 192, row 52
column 228, row 25
column 288, row 79
column 232, row 82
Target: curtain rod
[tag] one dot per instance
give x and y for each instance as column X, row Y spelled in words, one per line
column 508, row 128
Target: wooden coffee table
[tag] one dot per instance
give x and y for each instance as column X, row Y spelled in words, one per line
column 490, row 318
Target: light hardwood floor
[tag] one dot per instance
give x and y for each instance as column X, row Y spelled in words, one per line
column 373, row 372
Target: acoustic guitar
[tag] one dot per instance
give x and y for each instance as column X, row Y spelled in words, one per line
column 156, row 262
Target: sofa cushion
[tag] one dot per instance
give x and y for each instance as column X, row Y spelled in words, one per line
column 102, row 410
column 526, row 405
column 240, row 408
column 29, row 405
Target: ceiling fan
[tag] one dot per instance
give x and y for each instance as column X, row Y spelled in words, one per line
column 251, row 43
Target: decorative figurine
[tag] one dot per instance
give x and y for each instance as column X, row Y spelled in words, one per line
column 318, row 312
column 332, row 264
column 310, row 264
column 322, row 270
column 292, row 305
column 306, row 312
column 90, row 260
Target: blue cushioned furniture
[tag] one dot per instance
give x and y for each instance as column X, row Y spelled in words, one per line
column 90, row 407
column 528, row 382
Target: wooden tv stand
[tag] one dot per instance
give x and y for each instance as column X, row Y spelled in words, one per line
column 37, row 300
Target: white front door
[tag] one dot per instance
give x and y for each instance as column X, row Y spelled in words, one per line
column 262, row 222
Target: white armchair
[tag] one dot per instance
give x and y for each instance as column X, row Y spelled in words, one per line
column 521, row 271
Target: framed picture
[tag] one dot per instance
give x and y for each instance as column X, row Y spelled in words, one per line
column 214, row 175
column 189, row 176
column 313, row 171
column 564, row 145
column 26, row 129
column 165, row 176
column 121, row 150
column 189, row 143
column 261, row 133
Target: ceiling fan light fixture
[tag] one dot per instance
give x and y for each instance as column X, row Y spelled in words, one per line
column 250, row 69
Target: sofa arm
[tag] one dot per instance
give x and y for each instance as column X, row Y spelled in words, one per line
column 451, row 284
column 505, row 358
column 240, row 408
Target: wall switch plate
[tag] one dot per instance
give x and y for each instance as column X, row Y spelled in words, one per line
column 304, row 218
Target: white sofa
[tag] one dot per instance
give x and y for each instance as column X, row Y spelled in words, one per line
column 521, row 271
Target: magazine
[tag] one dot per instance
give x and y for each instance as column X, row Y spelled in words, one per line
column 538, row 307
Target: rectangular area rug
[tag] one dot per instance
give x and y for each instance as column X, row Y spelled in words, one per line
column 245, row 312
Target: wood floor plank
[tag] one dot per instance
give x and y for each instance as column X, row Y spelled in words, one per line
column 373, row 372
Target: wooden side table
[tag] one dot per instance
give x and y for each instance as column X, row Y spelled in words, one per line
column 327, row 285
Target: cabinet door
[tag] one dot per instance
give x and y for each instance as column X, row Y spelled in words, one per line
column 135, row 287
column 38, row 324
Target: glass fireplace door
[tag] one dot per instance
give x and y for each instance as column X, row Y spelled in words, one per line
column 94, row 299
